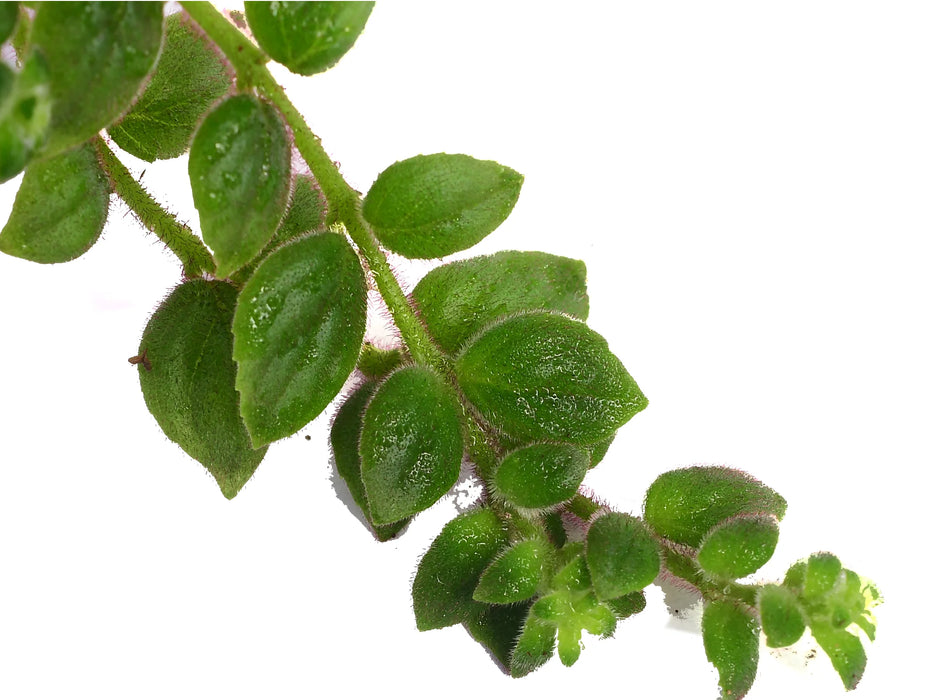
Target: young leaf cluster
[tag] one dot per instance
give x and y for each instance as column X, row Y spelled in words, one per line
column 497, row 369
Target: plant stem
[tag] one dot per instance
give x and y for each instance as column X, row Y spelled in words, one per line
column 194, row 255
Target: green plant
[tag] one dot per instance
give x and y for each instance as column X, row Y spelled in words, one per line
column 544, row 393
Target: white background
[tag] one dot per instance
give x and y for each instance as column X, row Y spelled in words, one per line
column 750, row 187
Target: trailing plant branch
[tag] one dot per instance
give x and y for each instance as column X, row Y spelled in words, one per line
column 180, row 239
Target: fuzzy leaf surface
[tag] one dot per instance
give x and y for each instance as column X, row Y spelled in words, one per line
column 781, row 616
column 730, row 637
column 460, row 298
column 307, row 37
column 514, row 575
column 411, row 445
column 188, row 380
column 845, row 651
column 99, row 54
column 345, row 442
column 297, row 333
column 621, row 555
column 684, row 504
column 534, row 647
column 542, row 376
column 188, row 79
column 25, row 113
column 541, row 475
column 239, row 169
column 739, row 546
column 60, row 208
column 442, row 591
column 432, row 206
column 497, row 627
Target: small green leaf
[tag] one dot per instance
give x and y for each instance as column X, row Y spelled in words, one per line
column 442, row 591
column 822, row 575
column 432, row 206
column 739, row 546
column 730, row 636
column 621, row 555
column 307, row 37
column 187, row 378
column 845, row 650
column 514, row 575
column 544, row 376
column 9, row 11
column 627, row 605
column 533, row 648
column 60, row 209
column 189, row 78
column 411, row 444
column 99, row 54
column 541, row 475
column 25, row 114
column 298, row 329
column 377, row 363
column 345, row 442
column 781, row 616
column 239, row 170
column 684, row 504
column 497, row 627
column 571, row 572
column 460, row 298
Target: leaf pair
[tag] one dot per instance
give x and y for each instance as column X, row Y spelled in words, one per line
column 399, row 445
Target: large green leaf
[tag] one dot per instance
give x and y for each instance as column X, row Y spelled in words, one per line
column 442, row 591
column 515, row 574
column 345, row 442
column 239, row 169
column 497, row 627
column 684, row 504
column 60, row 209
column 298, row 329
column 621, row 555
column 730, row 636
column 739, row 546
column 411, row 445
column 9, row 11
column 189, row 78
column 307, row 37
column 187, row 377
column 544, row 376
column 460, row 298
column 99, row 54
column 540, row 475
column 25, row 114
column 432, row 206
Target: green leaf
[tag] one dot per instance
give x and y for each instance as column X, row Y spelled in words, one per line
column 533, row 648
column 189, row 78
column 822, row 575
column 239, row 169
column 99, row 54
column 25, row 114
column 730, row 636
column 497, row 627
column 307, row 37
column 377, row 363
column 544, row 376
column 460, row 298
column 621, row 555
column 739, row 546
column 298, row 329
column 442, row 591
column 845, row 650
column 345, row 442
column 411, row 444
column 60, row 209
column 627, row 605
column 781, row 616
column 598, row 450
column 432, row 206
column 541, row 475
column 684, row 504
column 514, row 575
column 9, row 12
column 187, row 378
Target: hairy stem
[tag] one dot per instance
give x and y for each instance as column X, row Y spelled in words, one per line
column 194, row 255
